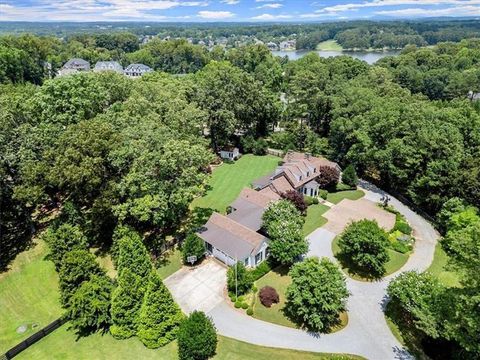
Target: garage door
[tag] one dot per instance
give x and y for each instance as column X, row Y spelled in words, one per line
column 220, row 255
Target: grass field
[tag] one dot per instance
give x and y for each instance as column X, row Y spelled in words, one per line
column 62, row 345
column 314, row 218
column 329, row 45
column 170, row 262
column 28, row 295
column 397, row 260
column 229, row 179
column 437, row 268
column 338, row 196
column 279, row 280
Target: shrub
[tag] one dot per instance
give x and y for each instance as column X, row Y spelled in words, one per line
column 238, row 304
column 315, row 201
column 268, row 296
column 308, row 200
column 403, row 227
column 260, row 270
column 349, row 176
column 323, row 194
column 248, row 144
column 244, row 280
column 250, row 311
column 254, row 289
column 328, row 177
column 342, row 187
column 401, row 247
column 193, row 246
column 365, row 245
column 260, row 147
column 244, row 306
column 296, row 199
column 317, row 294
column 197, row 338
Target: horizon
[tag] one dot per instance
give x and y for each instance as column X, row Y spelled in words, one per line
column 233, row 11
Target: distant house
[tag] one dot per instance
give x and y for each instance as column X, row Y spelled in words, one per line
column 272, row 46
column 473, row 96
column 298, row 172
column 136, row 70
column 230, row 153
column 108, row 66
column 288, row 45
column 73, row 66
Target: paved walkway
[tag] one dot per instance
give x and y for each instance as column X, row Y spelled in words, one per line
column 367, row 333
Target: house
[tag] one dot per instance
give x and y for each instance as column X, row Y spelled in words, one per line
column 108, row 66
column 272, row 46
column 288, row 45
column 136, row 70
column 72, row 66
column 238, row 236
column 473, row 96
column 298, row 172
column 231, row 153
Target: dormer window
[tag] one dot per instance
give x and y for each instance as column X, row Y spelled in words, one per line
column 300, row 178
column 314, row 170
column 308, row 174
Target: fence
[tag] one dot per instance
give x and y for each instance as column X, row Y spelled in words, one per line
column 275, row 152
column 33, row 339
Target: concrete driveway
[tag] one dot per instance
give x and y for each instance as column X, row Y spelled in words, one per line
column 198, row 288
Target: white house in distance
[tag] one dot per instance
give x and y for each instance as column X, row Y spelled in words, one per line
column 108, row 66
column 231, row 153
column 136, row 70
column 238, row 236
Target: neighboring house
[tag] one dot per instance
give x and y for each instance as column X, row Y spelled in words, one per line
column 473, row 96
column 230, row 153
column 238, row 236
column 108, row 66
column 272, row 46
column 298, row 172
column 136, row 70
column 288, row 45
column 72, row 66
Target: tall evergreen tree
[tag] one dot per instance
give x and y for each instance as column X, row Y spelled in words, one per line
column 197, row 338
column 126, row 302
column 63, row 239
column 132, row 253
column 160, row 316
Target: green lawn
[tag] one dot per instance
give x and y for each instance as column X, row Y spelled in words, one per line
column 314, row 218
column 338, row 196
column 279, row 280
column 229, row 179
column 437, row 268
column 397, row 260
column 329, row 45
column 170, row 262
column 28, row 295
column 62, row 344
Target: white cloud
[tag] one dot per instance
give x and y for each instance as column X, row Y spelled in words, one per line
column 270, row 17
column 270, row 6
column 215, row 14
column 419, row 12
column 230, row 2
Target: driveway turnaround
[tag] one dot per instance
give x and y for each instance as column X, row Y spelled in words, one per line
column 198, row 288
column 367, row 333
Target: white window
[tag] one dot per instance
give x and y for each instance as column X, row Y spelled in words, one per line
column 258, row 258
column 246, row 262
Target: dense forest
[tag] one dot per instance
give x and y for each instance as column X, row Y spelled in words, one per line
column 103, row 152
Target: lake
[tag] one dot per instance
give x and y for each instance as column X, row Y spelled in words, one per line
column 370, row 57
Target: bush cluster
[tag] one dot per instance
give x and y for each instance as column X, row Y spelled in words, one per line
column 260, row 270
column 269, row 296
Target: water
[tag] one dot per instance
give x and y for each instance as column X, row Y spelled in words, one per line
column 370, row 57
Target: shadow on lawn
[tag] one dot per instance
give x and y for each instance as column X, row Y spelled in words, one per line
column 356, row 271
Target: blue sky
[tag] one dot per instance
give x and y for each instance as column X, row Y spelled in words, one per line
column 231, row 10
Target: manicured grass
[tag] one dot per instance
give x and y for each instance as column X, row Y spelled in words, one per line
column 338, row 196
column 279, row 280
column 28, row 295
column 329, row 45
column 229, row 179
column 170, row 262
column 314, row 218
column 62, row 344
column 397, row 260
column 437, row 268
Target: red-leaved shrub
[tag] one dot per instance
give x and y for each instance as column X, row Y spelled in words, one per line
column 269, row 296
